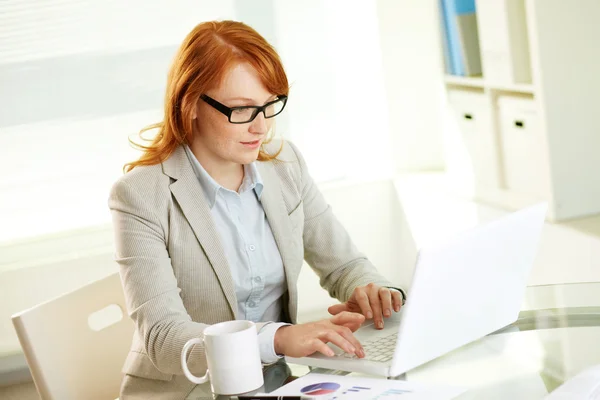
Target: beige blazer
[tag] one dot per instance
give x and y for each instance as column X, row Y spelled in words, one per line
column 175, row 273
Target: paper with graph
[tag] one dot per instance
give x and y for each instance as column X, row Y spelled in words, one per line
column 334, row 387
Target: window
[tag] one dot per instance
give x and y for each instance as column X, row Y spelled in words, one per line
column 77, row 78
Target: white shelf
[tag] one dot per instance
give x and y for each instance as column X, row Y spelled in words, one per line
column 541, row 146
column 467, row 81
column 517, row 87
column 480, row 83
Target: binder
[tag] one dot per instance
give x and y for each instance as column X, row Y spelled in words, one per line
column 456, row 20
column 449, row 66
column 469, row 43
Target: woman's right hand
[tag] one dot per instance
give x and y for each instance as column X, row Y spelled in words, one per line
column 305, row 339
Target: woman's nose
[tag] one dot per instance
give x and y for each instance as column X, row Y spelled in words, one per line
column 259, row 125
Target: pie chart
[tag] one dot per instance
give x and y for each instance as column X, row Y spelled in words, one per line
column 317, row 389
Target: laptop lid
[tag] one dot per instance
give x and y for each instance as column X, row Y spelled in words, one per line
column 467, row 287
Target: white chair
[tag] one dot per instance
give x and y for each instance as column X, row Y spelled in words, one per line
column 76, row 344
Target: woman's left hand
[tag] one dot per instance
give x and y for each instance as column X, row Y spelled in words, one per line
column 372, row 301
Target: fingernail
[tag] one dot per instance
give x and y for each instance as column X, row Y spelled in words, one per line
column 387, row 312
column 380, row 324
column 369, row 314
column 330, row 353
column 361, row 353
column 351, row 350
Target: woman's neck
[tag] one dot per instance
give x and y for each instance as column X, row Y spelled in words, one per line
column 226, row 173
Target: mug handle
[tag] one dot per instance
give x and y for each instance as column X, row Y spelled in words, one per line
column 186, row 371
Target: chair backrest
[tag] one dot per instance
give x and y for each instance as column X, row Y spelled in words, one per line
column 76, row 344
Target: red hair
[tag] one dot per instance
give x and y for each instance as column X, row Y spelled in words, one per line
column 206, row 54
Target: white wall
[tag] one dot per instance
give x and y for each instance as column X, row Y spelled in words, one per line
column 337, row 109
column 413, row 64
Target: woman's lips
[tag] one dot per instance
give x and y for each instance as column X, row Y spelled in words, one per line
column 252, row 145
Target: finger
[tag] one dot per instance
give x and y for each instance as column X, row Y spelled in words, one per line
column 375, row 305
column 347, row 334
column 347, row 317
column 332, row 336
column 317, row 345
column 396, row 300
column 363, row 302
column 385, row 296
column 353, row 326
column 337, row 308
column 350, row 320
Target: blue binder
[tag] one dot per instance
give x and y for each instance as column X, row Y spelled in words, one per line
column 451, row 9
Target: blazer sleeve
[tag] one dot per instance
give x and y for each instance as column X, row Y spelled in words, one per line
column 151, row 291
column 328, row 248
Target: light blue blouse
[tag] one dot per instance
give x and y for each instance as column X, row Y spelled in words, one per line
column 254, row 259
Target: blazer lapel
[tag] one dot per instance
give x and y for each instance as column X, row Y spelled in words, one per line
column 276, row 212
column 187, row 191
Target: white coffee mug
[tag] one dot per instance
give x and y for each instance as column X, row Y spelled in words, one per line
column 232, row 355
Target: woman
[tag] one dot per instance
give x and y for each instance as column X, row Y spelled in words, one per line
column 213, row 222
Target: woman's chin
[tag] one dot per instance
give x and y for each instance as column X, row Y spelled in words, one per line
column 247, row 157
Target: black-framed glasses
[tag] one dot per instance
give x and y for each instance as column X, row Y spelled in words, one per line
column 245, row 114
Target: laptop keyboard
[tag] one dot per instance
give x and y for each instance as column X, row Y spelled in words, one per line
column 381, row 349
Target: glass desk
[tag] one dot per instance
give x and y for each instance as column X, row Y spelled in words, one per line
column 556, row 336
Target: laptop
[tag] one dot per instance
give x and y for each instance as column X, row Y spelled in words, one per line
column 462, row 290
